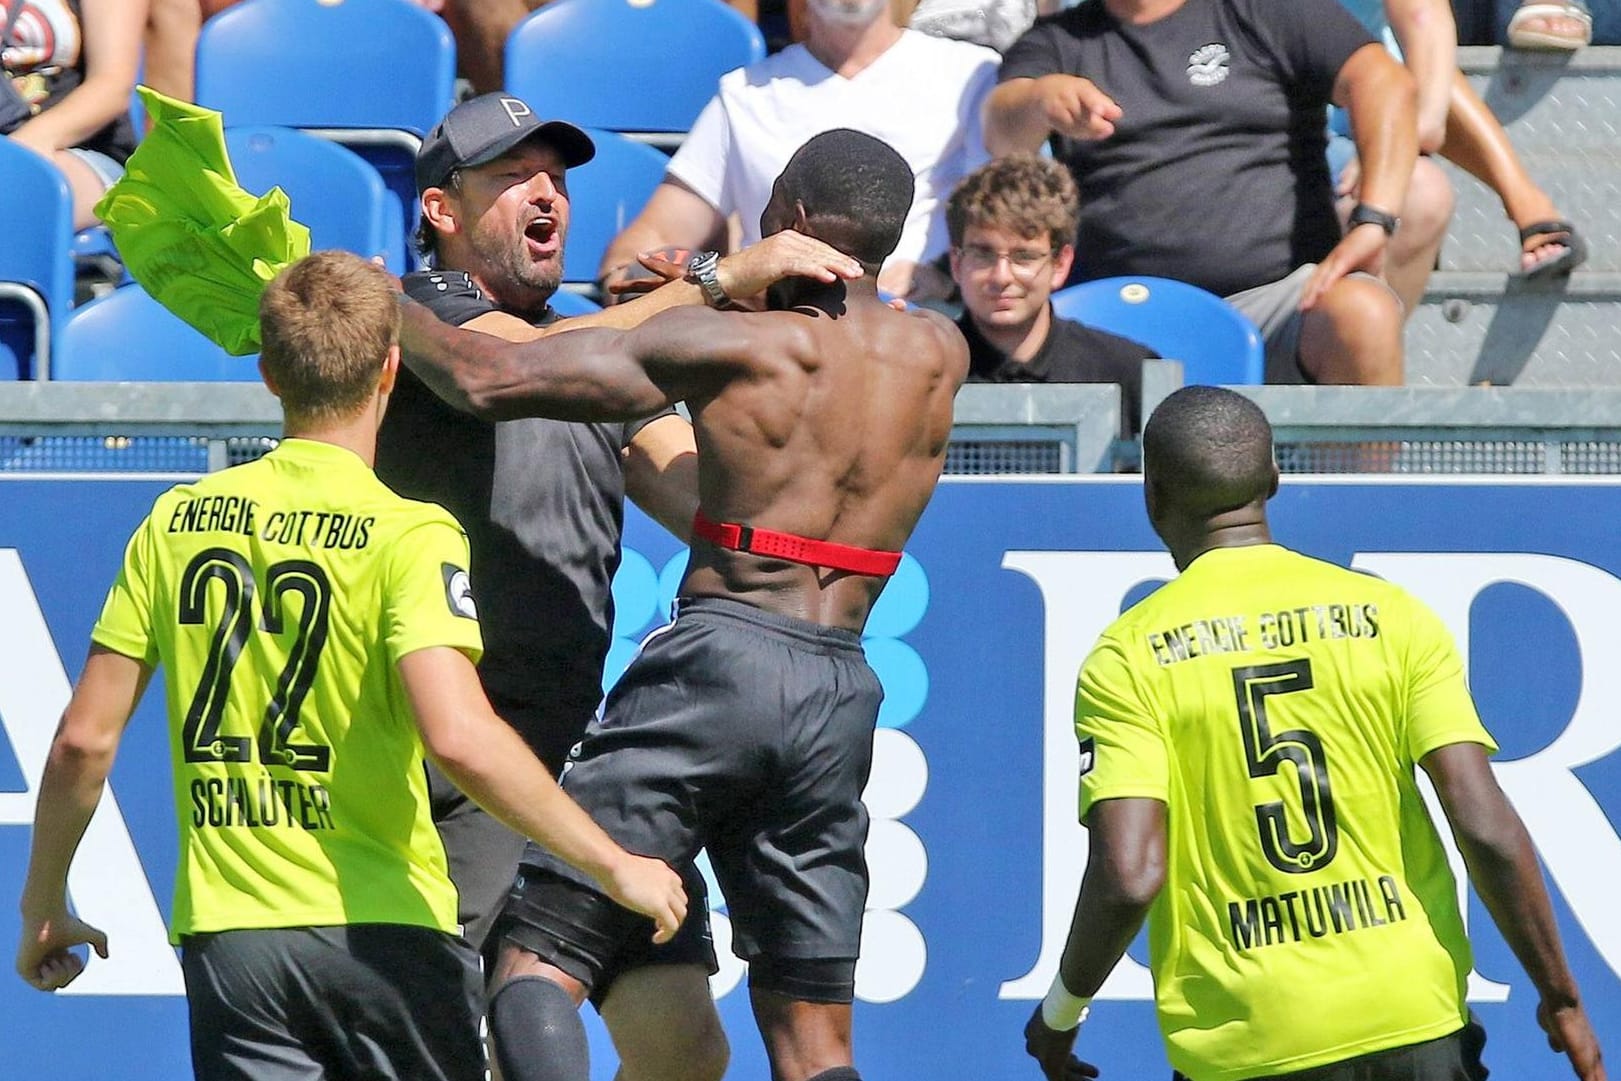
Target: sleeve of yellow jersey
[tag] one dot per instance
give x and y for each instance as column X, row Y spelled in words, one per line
column 1122, row 748
column 428, row 599
column 1439, row 708
column 126, row 622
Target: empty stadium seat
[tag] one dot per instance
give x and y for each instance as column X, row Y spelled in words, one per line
column 643, row 66
column 604, row 195
column 374, row 75
column 332, row 190
column 127, row 335
column 1215, row 343
column 36, row 269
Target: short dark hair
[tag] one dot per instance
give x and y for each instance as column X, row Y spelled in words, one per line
column 857, row 186
column 1207, row 450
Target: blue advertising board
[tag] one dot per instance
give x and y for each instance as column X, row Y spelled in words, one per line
column 974, row 851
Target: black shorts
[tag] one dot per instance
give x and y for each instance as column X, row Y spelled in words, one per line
column 547, row 921
column 1455, row 1057
column 481, row 851
column 366, row 1001
column 747, row 734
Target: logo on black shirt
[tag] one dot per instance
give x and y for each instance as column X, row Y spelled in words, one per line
column 458, row 591
column 1207, row 65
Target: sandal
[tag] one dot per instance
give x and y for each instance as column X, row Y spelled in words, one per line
column 1553, row 231
column 1521, row 36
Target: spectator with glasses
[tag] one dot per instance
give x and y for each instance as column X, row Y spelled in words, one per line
column 1012, row 226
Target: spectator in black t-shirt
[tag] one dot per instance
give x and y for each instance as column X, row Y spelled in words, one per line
column 1012, row 227
column 1194, row 129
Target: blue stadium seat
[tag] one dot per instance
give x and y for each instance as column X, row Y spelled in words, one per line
column 332, row 190
column 374, row 75
column 566, row 302
column 1216, row 345
column 604, row 195
column 646, row 66
column 36, row 269
column 127, row 335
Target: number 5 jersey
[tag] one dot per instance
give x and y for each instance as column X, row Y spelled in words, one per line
column 279, row 596
column 1277, row 705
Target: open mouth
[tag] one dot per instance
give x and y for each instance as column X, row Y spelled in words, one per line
column 541, row 234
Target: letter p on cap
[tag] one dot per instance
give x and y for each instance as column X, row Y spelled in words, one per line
column 516, row 110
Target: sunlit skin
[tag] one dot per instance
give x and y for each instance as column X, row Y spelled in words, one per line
column 1008, row 304
column 506, row 224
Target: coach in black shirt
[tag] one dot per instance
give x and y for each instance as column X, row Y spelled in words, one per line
column 1012, row 224
column 1194, row 129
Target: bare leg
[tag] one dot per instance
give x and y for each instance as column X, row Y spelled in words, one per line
column 1424, row 220
column 802, row 1038
column 1353, row 335
column 1477, row 143
column 664, row 1025
column 85, row 185
column 481, row 28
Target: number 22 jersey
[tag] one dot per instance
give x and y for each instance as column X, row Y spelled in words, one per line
column 279, row 596
column 1277, row 705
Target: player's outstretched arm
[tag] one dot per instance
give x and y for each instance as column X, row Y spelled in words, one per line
column 1125, row 869
column 75, row 774
column 1503, row 868
column 489, row 761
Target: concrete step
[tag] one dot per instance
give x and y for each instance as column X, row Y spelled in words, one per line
column 1563, row 115
column 1480, row 328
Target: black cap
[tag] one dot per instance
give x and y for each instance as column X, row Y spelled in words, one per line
column 481, row 129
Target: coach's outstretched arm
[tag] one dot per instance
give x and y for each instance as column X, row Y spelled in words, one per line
column 1503, row 868
column 487, row 759
column 76, row 771
column 579, row 375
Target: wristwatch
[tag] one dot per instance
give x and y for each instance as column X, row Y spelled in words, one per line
column 701, row 272
column 1363, row 214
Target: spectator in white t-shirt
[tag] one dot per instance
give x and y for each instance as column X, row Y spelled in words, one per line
column 856, row 69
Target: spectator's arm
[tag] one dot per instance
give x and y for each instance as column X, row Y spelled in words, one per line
column 675, row 215
column 1428, row 34
column 1021, row 113
column 661, row 473
column 112, row 55
column 1381, row 97
column 171, row 47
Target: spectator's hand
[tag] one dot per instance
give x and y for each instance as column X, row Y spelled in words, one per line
column 1076, row 108
column 1571, row 1034
column 1052, row 1051
column 656, row 267
column 1363, row 248
column 1350, row 179
column 788, row 254
column 45, row 954
column 1432, row 132
column 646, row 885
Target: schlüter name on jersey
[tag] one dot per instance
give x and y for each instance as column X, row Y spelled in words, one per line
column 260, row 802
column 306, row 528
column 1335, row 909
column 1215, row 635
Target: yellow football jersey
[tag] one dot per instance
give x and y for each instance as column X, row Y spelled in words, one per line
column 1277, row 705
column 279, row 596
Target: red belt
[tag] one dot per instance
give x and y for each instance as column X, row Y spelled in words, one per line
column 795, row 549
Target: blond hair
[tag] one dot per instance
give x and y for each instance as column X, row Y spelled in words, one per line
column 1022, row 193
column 325, row 325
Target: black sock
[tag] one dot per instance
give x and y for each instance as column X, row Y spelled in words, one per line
column 838, row 1073
column 537, row 1032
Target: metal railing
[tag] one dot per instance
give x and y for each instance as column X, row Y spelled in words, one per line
column 1001, row 428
